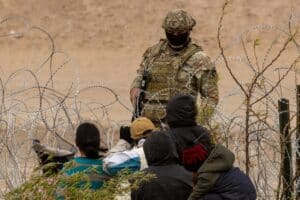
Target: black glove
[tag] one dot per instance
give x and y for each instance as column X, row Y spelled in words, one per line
column 125, row 134
column 50, row 164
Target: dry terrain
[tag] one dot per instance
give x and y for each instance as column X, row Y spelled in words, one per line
column 100, row 42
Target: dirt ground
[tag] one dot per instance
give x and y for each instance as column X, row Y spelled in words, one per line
column 104, row 41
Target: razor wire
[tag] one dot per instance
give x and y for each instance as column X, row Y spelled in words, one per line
column 55, row 116
column 59, row 112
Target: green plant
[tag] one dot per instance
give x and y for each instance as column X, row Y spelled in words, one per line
column 49, row 186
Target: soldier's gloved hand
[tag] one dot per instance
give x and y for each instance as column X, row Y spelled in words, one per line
column 125, row 134
column 134, row 93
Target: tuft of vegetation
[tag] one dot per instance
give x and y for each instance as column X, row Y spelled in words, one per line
column 49, row 186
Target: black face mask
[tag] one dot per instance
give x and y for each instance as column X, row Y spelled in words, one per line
column 179, row 40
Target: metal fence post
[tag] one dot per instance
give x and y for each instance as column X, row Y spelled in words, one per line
column 287, row 170
column 297, row 173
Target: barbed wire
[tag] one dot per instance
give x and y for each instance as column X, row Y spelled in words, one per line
column 57, row 113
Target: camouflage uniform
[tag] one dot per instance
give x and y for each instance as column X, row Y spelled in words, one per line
column 170, row 72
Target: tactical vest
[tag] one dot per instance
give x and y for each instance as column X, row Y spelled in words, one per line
column 167, row 78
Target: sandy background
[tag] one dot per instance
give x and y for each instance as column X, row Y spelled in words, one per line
column 104, row 42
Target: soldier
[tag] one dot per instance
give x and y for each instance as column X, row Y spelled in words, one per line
column 174, row 66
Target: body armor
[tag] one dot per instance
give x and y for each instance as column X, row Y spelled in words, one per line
column 167, row 78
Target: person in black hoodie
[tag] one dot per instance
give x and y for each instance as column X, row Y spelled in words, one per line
column 171, row 180
column 215, row 178
column 187, row 134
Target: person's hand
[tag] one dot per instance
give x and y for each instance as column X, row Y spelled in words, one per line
column 134, row 93
column 38, row 147
column 125, row 134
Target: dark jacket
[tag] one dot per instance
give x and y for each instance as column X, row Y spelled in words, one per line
column 233, row 185
column 172, row 181
column 181, row 117
column 186, row 137
column 218, row 179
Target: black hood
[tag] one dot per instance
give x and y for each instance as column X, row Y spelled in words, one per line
column 181, row 111
column 160, row 149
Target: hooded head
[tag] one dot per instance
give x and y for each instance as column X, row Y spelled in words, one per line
column 160, row 149
column 181, row 111
column 177, row 25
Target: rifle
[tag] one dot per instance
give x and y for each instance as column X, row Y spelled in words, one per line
column 140, row 98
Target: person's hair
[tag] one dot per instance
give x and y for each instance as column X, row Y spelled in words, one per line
column 88, row 140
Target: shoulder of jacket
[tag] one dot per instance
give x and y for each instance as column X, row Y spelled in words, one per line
column 199, row 55
column 155, row 49
column 219, row 159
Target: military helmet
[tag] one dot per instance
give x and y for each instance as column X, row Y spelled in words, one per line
column 178, row 20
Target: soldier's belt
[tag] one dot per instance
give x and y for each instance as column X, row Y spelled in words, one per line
column 164, row 96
